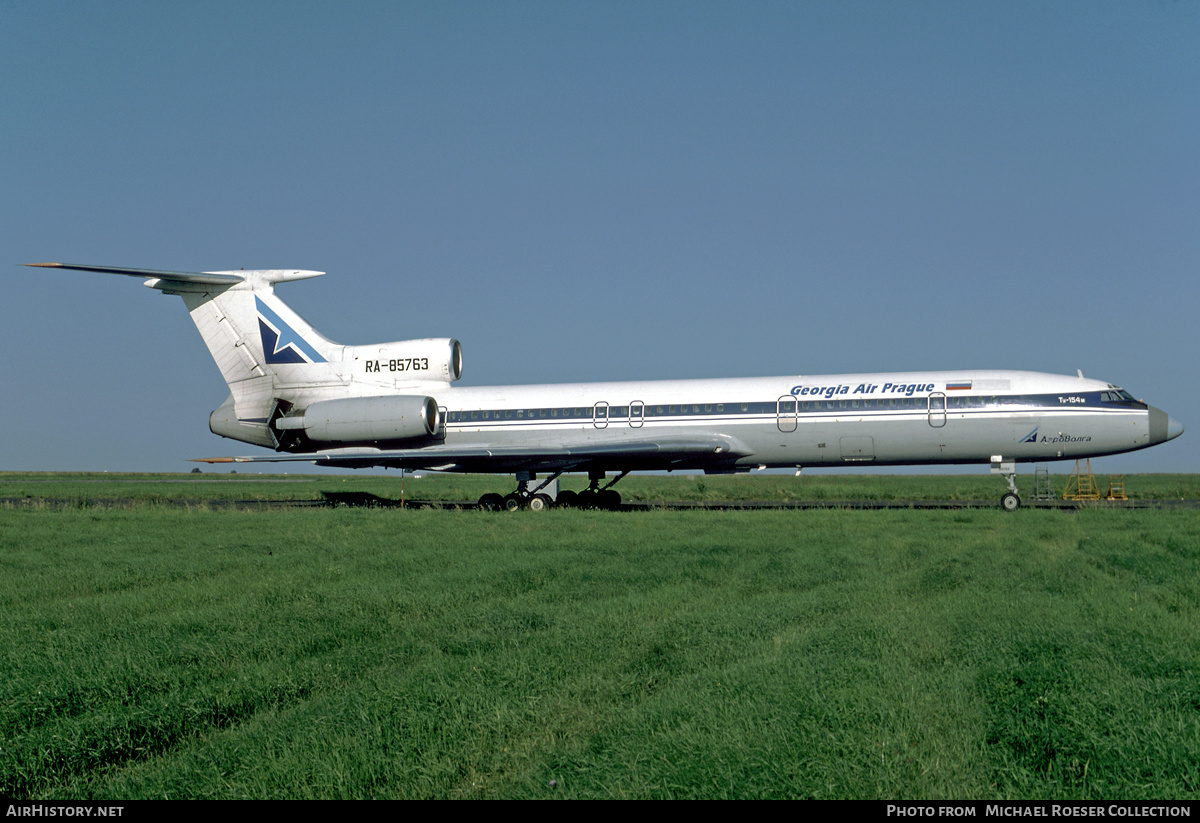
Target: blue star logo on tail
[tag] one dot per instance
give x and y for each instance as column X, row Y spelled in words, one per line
column 280, row 342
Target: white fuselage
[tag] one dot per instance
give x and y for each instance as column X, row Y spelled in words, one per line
column 396, row 405
column 862, row 419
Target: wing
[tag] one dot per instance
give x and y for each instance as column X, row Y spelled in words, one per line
column 713, row 451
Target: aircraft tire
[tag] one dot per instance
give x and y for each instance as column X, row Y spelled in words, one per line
column 566, row 499
column 540, row 502
column 491, row 502
column 513, row 502
column 610, row 499
column 1010, row 502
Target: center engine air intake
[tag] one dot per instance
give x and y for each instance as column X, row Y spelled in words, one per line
column 366, row 419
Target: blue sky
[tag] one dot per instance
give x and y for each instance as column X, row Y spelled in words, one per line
column 596, row 191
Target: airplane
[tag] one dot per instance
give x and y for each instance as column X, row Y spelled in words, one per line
column 394, row 405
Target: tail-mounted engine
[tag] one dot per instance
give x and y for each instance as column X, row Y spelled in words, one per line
column 407, row 361
column 357, row 420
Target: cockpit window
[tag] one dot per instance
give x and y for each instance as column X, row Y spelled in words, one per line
column 1117, row 395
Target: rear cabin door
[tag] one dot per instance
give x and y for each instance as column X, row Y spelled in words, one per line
column 786, row 413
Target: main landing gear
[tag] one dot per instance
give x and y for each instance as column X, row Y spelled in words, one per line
column 1011, row 501
column 593, row 497
column 522, row 498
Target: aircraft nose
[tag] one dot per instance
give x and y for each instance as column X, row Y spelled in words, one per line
column 1174, row 428
column 1163, row 427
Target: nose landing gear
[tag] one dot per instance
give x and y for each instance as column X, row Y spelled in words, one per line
column 1011, row 501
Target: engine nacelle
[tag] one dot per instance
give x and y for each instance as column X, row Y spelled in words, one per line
column 366, row 419
column 433, row 359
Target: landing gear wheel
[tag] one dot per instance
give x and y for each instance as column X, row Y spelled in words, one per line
column 540, row 502
column 587, row 499
column 1010, row 502
column 491, row 502
column 609, row 499
column 513, row 502
column 566, row 499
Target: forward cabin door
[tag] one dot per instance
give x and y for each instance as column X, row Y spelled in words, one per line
column 937, row 409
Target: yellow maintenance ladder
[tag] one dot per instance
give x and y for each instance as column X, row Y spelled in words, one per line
column 1081, row 485
column 1116, row 487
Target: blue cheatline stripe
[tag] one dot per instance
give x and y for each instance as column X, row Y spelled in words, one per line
column 287, row 336
column 757, row 411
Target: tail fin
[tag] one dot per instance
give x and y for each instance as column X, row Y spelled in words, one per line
column 261, row 346
column 275, row 363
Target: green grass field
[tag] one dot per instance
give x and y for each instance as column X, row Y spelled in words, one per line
column 149, row 488
column 154, row 651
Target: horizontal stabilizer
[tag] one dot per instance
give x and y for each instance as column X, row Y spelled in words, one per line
column 180, row 281
column 201, row 278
